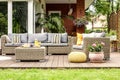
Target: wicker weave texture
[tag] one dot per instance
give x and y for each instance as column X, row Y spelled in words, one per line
column 61, row 49
column 106, row 48
column 30, row 53
column 50, row 50
column 6, row 50
column 88, row 41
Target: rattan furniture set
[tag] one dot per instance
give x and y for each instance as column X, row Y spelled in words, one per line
column 50, row 48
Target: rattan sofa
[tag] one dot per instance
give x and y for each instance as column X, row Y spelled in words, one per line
column 90, row 40
column 50, row 48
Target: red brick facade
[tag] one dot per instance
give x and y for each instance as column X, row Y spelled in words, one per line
column 78, row 11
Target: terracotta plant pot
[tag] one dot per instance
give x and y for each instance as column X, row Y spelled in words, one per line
column 96, row 56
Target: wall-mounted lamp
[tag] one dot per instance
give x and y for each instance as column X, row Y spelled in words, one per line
column 70, row 8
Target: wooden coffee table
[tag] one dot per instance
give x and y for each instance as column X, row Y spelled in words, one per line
column 30, row 53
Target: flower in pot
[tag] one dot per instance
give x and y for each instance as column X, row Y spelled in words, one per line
column 96, row 52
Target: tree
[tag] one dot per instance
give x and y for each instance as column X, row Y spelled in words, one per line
column 105, row 7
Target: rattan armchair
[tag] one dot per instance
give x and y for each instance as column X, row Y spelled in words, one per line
column 90, row 40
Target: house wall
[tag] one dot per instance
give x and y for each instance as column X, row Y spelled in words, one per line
column 64, row 8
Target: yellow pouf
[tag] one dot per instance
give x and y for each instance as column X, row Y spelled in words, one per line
column 77, row 57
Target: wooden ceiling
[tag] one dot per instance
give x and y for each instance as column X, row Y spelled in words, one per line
column 87, row 2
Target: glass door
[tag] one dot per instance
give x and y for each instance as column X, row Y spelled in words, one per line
column 20, row 17
column 3, row 18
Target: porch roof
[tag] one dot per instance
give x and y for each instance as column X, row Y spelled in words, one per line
column 87, row 2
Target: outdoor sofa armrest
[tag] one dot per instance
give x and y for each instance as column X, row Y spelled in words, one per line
column 3, row 41
column 70, row 42
column 74, row 40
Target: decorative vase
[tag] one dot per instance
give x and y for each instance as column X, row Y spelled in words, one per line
column 96, row 56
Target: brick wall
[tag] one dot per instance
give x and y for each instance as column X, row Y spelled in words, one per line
column 78, row 11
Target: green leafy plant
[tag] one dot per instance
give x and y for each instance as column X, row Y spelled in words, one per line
column 80, row 21
column 112, row 32
column 3, row 24
column 96, row 47
column 53, row 23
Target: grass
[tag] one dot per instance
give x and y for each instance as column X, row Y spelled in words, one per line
column 59, row 74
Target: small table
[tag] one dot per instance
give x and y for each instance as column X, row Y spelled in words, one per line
column 30, row 53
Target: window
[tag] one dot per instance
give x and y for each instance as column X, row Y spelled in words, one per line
column 3, row 18
column 20, row 17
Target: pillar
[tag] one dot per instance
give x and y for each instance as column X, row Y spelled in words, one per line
column 80, row 12
column 30, row 16
column 9, row 16
column 80, row 8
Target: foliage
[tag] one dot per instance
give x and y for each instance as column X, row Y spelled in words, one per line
column 88, row 31
column 111, row 33
column 59, row 74
column 19, row 17
column 80, row 21
column 96, row 47
column 103, row 7
column 3, row 24
column 54, row 23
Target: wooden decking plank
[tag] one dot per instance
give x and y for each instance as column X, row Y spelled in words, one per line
column 60, row 61
column 6, row 62
column 50, row 61
column 66, row 62
column 55, row 61
column 43, row 64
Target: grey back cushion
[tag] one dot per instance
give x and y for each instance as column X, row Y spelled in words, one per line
column 64, row 38
column 24, row 38
column 50, row 37
column 42, row 37
column 10, row 35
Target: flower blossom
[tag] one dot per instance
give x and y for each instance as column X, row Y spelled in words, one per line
column 94, row 45
column 102, row 43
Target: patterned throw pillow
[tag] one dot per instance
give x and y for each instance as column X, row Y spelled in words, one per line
column 16, row 39
column 56, row 38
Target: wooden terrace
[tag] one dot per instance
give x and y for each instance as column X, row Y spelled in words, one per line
column 58, row 61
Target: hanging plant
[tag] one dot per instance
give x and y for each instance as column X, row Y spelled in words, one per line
column 80, row 21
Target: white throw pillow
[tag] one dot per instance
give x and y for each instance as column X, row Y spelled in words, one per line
column 102, row 34
column 88, row 35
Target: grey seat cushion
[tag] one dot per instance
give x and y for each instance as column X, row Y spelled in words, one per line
column 13, row 45
column 52, row 44
column 78, row 47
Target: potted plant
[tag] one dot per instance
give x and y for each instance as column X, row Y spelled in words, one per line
column 96, row 52
column 80, row 21
column 53, row 23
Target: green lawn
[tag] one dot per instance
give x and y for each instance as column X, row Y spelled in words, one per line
column 59, row 74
